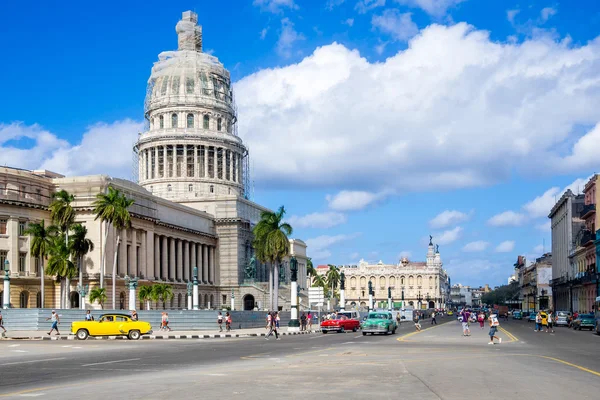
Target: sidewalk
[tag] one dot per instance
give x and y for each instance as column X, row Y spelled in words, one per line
column 210, row 334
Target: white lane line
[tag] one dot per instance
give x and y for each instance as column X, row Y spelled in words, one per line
column 14, row 345
column 356, row 337
column 33, row 361
column 317, row 337
column 111, row 362
column 348, row 343
column 20, row 351
column 32, row 394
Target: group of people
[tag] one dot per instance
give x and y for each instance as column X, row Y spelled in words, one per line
column 272, row 324
column 306, row 321
column 227, row 320
column 494, row 323
column 544, row 320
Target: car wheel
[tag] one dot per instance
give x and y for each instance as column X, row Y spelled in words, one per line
column 394, row 332
column 134, row 335
column 354, row 329
column 325, row 332
column 342, row 330
column 82, row 334
column 364, row 333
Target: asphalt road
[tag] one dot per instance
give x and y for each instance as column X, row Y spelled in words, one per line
column 436, row 363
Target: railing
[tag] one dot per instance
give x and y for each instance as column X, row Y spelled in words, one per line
column 588, row 236
column 587, row 209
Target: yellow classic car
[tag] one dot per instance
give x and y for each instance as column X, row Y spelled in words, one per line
column 111, row 325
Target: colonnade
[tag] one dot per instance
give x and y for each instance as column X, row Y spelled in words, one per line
column 194, row 161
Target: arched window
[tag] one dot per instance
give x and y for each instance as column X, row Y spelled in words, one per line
column 219, row 120
column 179, row 300
column 189, row 85
column 211, row 189
column 205, row 121
column 363, row 282
column 353, row 282
column 161, row 122
column 169, row 188
column 402, row 280
column 24, row 299
column 382, row 282
column 392, row 281
column 419, row 280
column 38, row 300
column 411, row 280
column 430, row 281
column 206, row 300
column 190, row 120
column 190, row 188
column 173, row 120
column 122, row 300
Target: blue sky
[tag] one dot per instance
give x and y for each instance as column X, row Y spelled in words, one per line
column 374, row 122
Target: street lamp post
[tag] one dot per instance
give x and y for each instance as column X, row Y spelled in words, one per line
column 83, row 291
column 342, row 292
column 402, row 299
column 294, row 324
column 232, row 300
column 132, row 284
column 190, row 290
column 370, row 296
column 195, row 288
column 419, row 298
column 427, row 298
column 389, row 298
column 6, row 297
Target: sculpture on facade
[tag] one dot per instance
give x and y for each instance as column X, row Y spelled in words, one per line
column 250, row 270
column 370, row 287
column 430, row 240
column 293, row 269
column 281, row 273
column 389, row 292
column 342, row 281
column 437, row 248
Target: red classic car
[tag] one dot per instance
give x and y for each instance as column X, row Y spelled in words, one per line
column 340, row 324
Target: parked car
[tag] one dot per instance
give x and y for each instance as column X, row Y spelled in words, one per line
column 340, row 323
column 517, row 315
column 562, row 318
column 379, row 322
column 111, row 325
column 584, row 321
column 450, row 313
column 531, row 317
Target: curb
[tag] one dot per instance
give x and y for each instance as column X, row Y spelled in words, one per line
column 159, row 337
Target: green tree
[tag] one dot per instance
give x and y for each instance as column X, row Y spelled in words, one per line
column 310, row 269
column 502, row 294
column 162, row 292
column 80, row 246
column 272, row 244
column 40, row 243
column 98, row 294
column 59, row 262
column 145, row 295
column 333, row 277
column 63, row 214
column 112, row 208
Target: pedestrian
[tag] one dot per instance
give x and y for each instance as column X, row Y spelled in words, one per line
column 481, row 319
column 538, row 322
column 2, row 324
column 417, row 324
column 398, row 320
column 273, row 327
column 303, row 322
column 227, row 321
column 220, row 321
column 433, row 321
column 55, row 319
column 134, row 315
column 277, row 319
column 165, row 322
column 309, row 318
column 494, row 324
column 465, row 314
column 549, row 327
column 89, row 316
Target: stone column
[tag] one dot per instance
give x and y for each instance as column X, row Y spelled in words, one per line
column 179, row 267
column 123, row 253
column 164, row 271
column 174, row 160
column 205, row 161
column 204, row 263
column 155, row 162
column 193, row 259
column 186, row 260
column 165, row 167
column 157, row 255
column 133, row 271
column 147, row 267
column 196, row 172
column 172, row 259
column 212, row 265
column 184, row 162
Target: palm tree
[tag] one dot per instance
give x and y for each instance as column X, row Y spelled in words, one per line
column 63, row 216
column 59, row 262
column 272, row 245
column 98, row 294
column 145, row 295
column 162, row 292
column 40, row 243
column 112, row 209
column 333, row 277
column 311, row 272
column 80, row 245
column 319, row 281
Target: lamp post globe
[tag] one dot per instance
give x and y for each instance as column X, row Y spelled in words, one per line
column 6, row 294
column 294, row 324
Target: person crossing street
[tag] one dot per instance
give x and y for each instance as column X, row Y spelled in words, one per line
column 494, row 324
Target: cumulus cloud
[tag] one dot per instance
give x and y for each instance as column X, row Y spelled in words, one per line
column 447, row 218
column 317, row 220
column 448, row 236
column 547, row 12
column 275, row 6
column 429, row 113
column 506, row 246
column 349, row 21
column 263, row 33
column 90, row 156
column 318, row 247
column 436, row 8
column 545, row 227
column 398, row 25
column 348, row 200
column 507, row 218
column 476, row 246
column 331, row 4
column 287, row 37
column 364, row 6
column 511, row 14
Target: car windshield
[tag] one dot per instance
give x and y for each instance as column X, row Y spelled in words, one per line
column 378, row 316
column 586, row 316
column 563, row 314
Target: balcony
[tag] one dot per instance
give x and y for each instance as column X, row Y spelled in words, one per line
column 587, row 211
column 558, row 281
column 586, row 237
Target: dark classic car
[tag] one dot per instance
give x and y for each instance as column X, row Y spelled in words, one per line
column 340, row 323
column 517, row 315
column 584, row 321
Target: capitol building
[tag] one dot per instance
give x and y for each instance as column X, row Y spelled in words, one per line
column 192, row 206
column 418, row 285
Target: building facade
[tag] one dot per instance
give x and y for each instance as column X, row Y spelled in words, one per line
column 534, row 280
column 419, row 285
column 191, row 205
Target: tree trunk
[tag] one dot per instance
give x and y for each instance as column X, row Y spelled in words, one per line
column 114, row 274
column 62, row 293
column 103, row 258
column 147, row 304
column 67, row 293
column 271, row 287
column 276, row 287
column 81, row 298
column 42, row 292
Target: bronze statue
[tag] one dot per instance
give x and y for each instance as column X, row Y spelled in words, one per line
column 250, row 269
column 370, row 287
column 342, row 281
column 430, row 240
column 437, row 248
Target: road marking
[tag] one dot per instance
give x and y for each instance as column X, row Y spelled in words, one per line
column 32, row 394
column 512, row 337
column 348, row 343
column 20, row 351
column 356, row 337
column 403, row 337
column 571, row 365
column 14, row 345
column 111, row 362
column 33, row 361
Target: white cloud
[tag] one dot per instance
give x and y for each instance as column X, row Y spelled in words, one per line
column 448, row 236
column 447, row 218
column 506, row 246
column 545, row 227
column 354, row 256
column 263, row 33
column 539, row 249
column 275, row 6
column 397, row 25
column 435, row 113
column 318, row 248
column 380, row 48
column 317, row 220
column 331, row 4
column 547, row 12
column 476, row 246
column 404, row 253
column 364, row 6
column 507, row 218
column 348, row 200
column 436, row 8
column 349, row 21
column 541, row 205
column 86, row 157
column 511, row 14
column 287, row 37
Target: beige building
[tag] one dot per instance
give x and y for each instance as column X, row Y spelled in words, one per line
column 419, row 285
column 191, row 205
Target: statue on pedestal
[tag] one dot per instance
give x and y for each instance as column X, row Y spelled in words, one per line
column 342, row 281
column 250, row 270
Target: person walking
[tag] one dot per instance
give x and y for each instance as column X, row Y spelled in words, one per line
column 277, row 319
column 134, row 315
column 417, row 324
column 433, row 321
column 89, row 316
column 309, row 318
column 465, row 314
column 494, row 324
column 273, row 328
column 2, row 324
column 220, row 321
column 165, row 322
column 227, row 321
column 481, row 319
column 538, row 322
column 303, row 322
column 55, row 319
column 550, row 323
column 268, row 326
column 398, row 320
